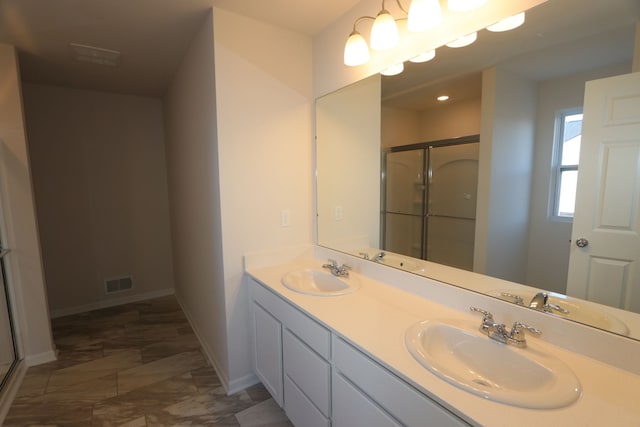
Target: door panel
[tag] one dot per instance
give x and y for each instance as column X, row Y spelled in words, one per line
column 607, row 270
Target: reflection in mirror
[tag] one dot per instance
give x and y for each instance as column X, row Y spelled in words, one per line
column 509, row 88
column 430, row 200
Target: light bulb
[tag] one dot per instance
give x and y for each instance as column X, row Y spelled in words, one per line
column 464, row 40
column 424, row 14
column 508, row 23
column 356, row 51
column 384, row 32
column 424, row 57
column 464, row 5
column 393, row 70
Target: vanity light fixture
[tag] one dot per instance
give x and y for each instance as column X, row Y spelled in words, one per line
column 356, row 51
column 384, row 33
column 424, row 57
column 393, row 70
column 464, row 5
column 463, row 41
column 443, row 98
column 422, row 15
column 508, row 23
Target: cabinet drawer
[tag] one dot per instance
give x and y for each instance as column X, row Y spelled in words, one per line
column 299, row 408
column 308, row 330
column 351, row 408
column 399, row 399
column 308, row 371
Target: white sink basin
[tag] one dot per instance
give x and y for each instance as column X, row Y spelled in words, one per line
column 579, row 311
column 458, row 353
column 319, row 283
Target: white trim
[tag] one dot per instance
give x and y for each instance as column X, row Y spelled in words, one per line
column 40, row 358
column 242, row 383
column 11, row 389
column 111, row 303
column 229, row 387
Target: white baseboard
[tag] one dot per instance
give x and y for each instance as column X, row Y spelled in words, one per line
column 11, row 389
column 229, row 388
column 110, row 303
column 39, row 359
column 242, row 383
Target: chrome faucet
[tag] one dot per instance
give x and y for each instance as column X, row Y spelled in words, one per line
column 540, row 302
column 500, row 333
column 337, row 270
column 364, row 255
column 378, row 257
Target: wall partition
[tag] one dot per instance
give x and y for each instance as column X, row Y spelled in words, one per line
column 8, row 353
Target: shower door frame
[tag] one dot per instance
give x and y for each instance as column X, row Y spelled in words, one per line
column 427, row 167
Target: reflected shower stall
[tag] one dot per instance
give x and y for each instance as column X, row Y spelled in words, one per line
column 429, row 203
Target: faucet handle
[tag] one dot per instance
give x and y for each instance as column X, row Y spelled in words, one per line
column 487, row 315
column 517, row 330
column 548, row 307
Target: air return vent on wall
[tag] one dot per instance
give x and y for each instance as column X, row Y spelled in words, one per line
column 118, row 284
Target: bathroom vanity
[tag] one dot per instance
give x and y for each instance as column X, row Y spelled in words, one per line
column 343, row 360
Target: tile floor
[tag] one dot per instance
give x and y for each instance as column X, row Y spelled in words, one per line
column 138, row 364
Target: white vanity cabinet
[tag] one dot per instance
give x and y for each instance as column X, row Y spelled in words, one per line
column 381, row 398
column 291, row 358
column 321, row 380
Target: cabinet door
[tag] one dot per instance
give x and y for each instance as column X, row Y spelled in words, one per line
column 351, row 408
column 267, row 340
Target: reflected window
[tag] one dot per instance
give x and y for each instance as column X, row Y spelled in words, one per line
column 567, row 148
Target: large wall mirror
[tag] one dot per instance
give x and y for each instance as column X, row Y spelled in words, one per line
column 516, row 92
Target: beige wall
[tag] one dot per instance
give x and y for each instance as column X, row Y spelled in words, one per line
column 101, row 193
column 194, row 194
column 405, row 127
column 504, row 175
column 349, row 115
column 452, row 121
column 263, row 96
column 18, row 220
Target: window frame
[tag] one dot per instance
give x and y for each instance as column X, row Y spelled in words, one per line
column 557, row 167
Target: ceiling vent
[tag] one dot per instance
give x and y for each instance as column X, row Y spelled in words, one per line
column 95, row 55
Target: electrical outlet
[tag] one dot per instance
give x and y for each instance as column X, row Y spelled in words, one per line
column 285, row 218
column 338, row 213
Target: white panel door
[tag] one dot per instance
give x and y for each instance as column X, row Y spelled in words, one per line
column 607, row 269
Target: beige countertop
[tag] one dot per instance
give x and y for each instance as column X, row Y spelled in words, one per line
column 375, row 319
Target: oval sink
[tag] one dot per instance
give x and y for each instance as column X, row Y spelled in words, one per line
column 319, row 283
column 578, row 311
column 456, row 352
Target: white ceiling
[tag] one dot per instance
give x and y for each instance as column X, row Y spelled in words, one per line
column 152, row 35
column 559, row 38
